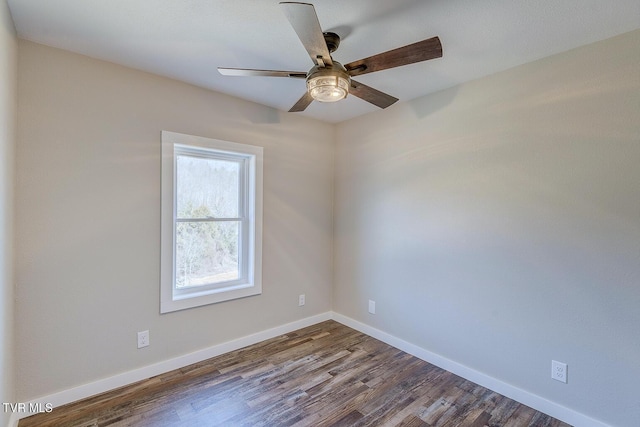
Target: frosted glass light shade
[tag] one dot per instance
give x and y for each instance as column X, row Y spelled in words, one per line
column 328, row 88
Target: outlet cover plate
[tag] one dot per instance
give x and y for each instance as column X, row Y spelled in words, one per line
column 559, row 371
column 143, row 339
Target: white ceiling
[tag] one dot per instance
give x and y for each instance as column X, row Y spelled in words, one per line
column 188, row 39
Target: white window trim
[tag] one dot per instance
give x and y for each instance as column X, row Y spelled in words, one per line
column 174, row 301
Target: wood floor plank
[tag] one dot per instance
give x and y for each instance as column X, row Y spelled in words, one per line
column 407, row 410
column 412, row 421
column 320, row 376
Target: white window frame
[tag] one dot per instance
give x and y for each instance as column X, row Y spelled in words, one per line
column 250, row 248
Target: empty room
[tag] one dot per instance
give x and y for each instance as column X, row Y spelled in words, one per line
column 327, row 213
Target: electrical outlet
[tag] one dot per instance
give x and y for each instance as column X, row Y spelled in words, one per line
column 143, row 339
column 301, row 300
column 372, row 307
column 559, row 371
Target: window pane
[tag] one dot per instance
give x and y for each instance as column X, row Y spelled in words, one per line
column 207, row 187
column 206, row 253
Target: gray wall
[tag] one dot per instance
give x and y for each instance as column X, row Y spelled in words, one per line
column 497, row 224
column 8, row 110
column 88, row 218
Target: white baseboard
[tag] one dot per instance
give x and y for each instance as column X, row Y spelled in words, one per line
column 536, row 402
column 110, row 383
column 532, row 400
column 14, row 419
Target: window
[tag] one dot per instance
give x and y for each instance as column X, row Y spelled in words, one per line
column 211, row 221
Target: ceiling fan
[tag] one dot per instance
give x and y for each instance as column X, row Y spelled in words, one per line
column 328, row 80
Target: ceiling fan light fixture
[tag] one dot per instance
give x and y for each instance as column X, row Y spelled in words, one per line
column 328, row 84
column 328, row 89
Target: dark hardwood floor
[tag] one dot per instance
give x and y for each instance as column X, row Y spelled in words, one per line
column 323, row 375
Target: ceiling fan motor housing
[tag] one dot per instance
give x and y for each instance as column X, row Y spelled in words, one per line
column 332, row 40
column 329, row 83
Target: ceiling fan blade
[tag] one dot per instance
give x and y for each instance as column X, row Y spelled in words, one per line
column 304, row 20
column 409, row 54
column 371, row 95
column 302, row 103
column 247, row 72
